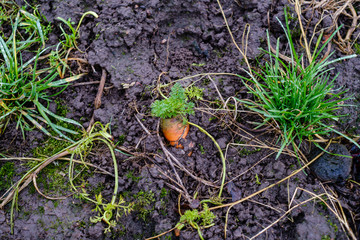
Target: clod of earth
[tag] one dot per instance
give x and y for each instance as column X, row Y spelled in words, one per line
column 355, row 153
column 174, row 129
column 334, row 167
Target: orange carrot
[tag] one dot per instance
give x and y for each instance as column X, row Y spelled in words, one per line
column 172, row 111
column 173, row 130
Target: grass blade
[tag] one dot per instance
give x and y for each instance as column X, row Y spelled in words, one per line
column 47, row 111
column 61, row 82
column 34, row 122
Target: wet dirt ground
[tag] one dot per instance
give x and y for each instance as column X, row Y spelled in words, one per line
column 135, row 41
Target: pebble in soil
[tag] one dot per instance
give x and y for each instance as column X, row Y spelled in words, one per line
column 334, row 166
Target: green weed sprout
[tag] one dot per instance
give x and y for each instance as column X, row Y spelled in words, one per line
column 105, row 211
column 71, row 39
column 197, row 220
column 58, row 58
column 194, row 92
column 301, row 100
column 83, row 147
column 175, row 105
column 23, row 86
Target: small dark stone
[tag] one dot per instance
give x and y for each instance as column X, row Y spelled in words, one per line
column 329, row 167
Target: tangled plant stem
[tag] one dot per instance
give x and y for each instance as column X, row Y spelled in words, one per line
column 79, row 148
column 84, row 146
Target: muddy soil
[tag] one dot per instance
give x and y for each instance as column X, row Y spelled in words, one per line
column 135, row 41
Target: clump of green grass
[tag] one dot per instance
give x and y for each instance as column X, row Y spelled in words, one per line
column 300, row 100
column 24, row 87
column 70, row 40
column 58, row 57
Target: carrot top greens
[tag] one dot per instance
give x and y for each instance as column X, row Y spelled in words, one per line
column 175, row 105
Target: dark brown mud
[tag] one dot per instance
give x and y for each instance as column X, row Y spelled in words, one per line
column 135, row 41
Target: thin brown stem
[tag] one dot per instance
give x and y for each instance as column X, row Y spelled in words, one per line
column 97, row 101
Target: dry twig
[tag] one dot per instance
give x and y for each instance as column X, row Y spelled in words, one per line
column 97, row 101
